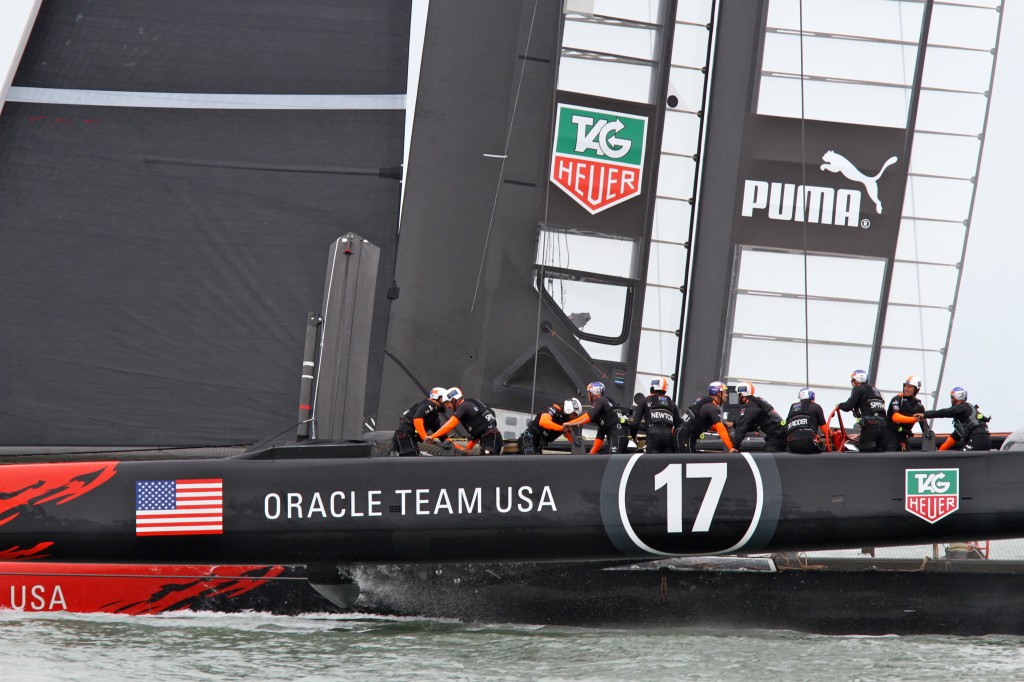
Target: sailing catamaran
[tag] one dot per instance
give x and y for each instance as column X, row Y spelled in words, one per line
column 626, row 277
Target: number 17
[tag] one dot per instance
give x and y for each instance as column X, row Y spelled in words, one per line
column 672, row 478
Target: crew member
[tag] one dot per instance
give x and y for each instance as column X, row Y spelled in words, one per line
column 415, row 421
column 611, row 424
column 805, row 425
column 702, row 415
column 867, row 404
column 757, row 414
column 902, row 415
column 970, row 426
column 476, row 417
column 660, row 414
column 548, row 425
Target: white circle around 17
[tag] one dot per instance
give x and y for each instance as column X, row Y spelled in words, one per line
column 712, row 470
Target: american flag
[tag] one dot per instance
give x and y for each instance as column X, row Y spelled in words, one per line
column 183, row 507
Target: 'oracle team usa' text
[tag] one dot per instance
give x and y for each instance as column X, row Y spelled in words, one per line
column 353, row 504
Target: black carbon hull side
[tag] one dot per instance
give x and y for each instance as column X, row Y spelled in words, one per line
column 333, row 503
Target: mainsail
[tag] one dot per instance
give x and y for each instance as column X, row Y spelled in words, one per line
column 173, row 174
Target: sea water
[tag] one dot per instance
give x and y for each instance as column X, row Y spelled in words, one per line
column 206, row 646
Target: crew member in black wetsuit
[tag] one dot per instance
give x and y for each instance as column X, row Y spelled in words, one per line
column 902, row 415
column 660, row 414
column 702, row 415
column 477, row 418
column 805, row 425
column 868, row 406
column 548, row 425
column 414, row 423
column 757, row 414
column 970, row 426
column 611, row 423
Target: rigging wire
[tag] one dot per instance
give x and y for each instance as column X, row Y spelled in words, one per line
column 504, row 157
column 801, row 200
column 913, row 212
column 552, row 333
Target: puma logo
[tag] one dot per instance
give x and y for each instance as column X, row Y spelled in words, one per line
column 837, row 163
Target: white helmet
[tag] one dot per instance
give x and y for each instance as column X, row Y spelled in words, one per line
column 913, row 381
column 860, row 376
column 959, row 393
column 572, row 406
column 805, row 394
column 453, row 394
column 437, row 393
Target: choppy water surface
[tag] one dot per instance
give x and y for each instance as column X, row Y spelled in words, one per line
column 331, row 647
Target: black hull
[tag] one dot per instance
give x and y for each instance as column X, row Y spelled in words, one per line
column 854, row 596
column 334, row 504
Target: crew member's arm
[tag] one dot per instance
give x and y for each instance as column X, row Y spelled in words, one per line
column 850, row 403
column 905, row 419
column 638, row 415
column 947, row 412
column 585, row 419
column 546, row 422
column 742, row 428
column 948, row 443
column 448, row 426
column 598, row 442
column 723, row 433
column 420, row 429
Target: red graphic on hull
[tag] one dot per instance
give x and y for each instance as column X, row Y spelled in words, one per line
column 38, row 484
column 126, row 589
column 15, row 553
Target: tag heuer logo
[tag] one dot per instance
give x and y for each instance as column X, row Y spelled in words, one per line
column 599, row 155
column 933, row 493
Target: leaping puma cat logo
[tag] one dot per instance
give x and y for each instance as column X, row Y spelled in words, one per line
column 837, row 163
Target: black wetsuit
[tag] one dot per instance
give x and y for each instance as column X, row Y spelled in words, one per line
column 660, row 414
column 406, row 440
column 611, row 424
column 482, row 425
column 970, row 427
column 535, row 436
column 700, row 416
column 757, row 414
column 803, row 427
column 867, row 404
column 897, row 435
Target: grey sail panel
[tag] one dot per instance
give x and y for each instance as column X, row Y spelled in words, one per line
column 159, row 264
column 250, row 46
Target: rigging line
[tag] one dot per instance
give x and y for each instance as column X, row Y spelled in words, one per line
column 543, row 250
column 600, row 373
column 913, row 211
column 279, row 434
column 540, row 298
column 802, row 201
column 504, row 158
